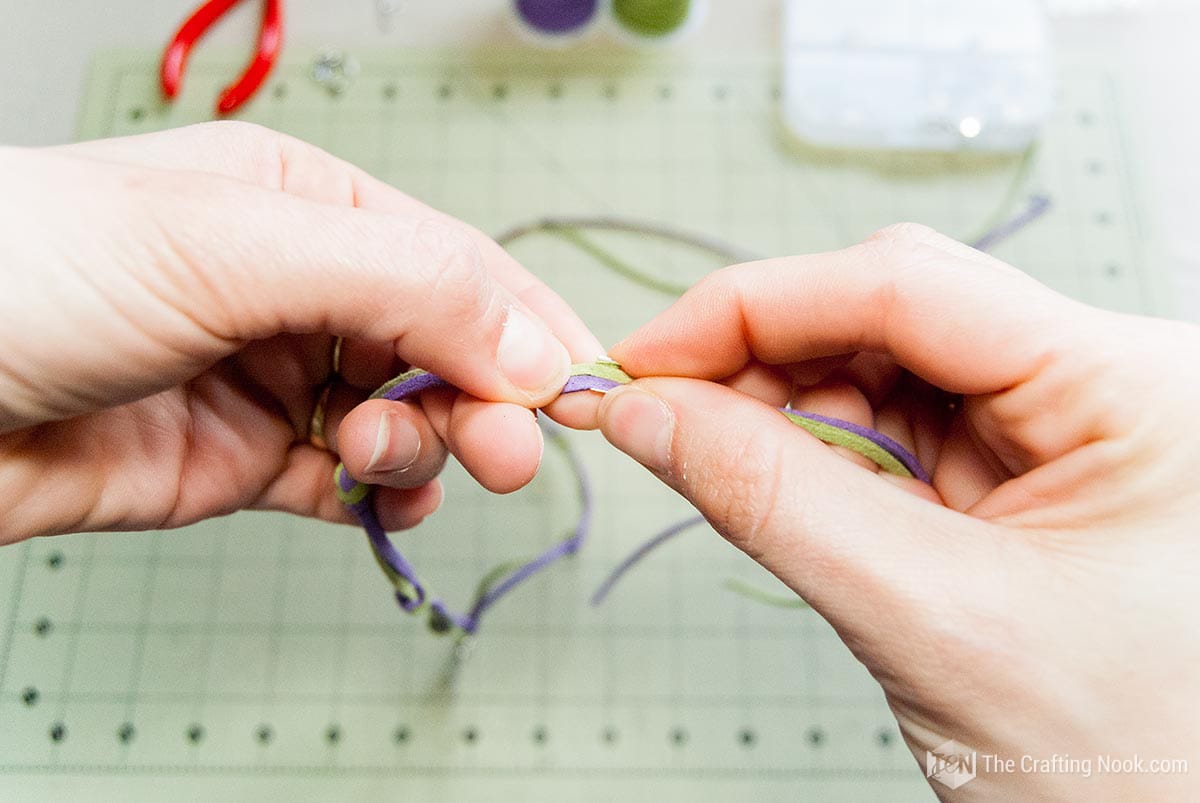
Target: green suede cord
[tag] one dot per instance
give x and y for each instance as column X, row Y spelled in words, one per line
column 764, row 597
column 849, row 440
column 352, row 496
column 603, row 368
column 614, row 263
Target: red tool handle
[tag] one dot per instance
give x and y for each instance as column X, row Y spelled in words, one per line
column 270, row 39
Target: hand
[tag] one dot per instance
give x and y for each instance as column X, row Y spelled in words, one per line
column 1041, row 597
column 169, row 306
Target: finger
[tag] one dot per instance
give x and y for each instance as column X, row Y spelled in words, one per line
column 391, row 444
column 276, row 161
column 898, row 426
column 964, row 474
column 367, row 364
column 857, row 548
column 303, row 488
column 339, row 400
column 287, row 265
column 810, row 372
column 764, row 382
column 405, row 508
column 874, row 374
column 500, row 445
column 958, row 318
column 838, row 400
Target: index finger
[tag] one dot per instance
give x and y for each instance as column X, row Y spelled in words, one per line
column 276, row 161
column 957, row 318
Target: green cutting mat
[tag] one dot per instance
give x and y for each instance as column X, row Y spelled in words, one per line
column 262, row 656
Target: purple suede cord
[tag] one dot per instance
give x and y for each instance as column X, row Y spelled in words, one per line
column 589, row 382
column 641, row 552
column 413, row 386
column 387, row 553
column 906, row 458
column 1037, row 206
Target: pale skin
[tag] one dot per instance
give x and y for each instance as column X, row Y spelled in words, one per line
column 1040, row 598
column 186, row 289
column 170, row 309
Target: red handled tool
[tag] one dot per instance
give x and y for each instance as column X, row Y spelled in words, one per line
column 270, row 39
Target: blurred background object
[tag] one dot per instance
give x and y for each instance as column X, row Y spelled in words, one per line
column 932, row 75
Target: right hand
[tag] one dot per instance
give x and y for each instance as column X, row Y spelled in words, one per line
column 1041, row 597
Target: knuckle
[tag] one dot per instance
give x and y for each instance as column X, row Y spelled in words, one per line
column 449, row 264
column 906, row 245
column 237, row 131
column 726, row 280
column 723, row 288
column 896, row 256
column 903, row 246
column 902, row 237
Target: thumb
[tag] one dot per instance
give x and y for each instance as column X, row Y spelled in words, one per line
column 860, row 550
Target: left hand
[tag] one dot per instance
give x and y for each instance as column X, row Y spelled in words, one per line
column 170, row 304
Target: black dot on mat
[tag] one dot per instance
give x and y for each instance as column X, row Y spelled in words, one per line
column 1112, row 270
column 445, row 91
column 816, row 737
column 610, row 91
column 333, row 734
column 776, row 92
column 58, row 732
column 884, row 737
column 195, row 733
column 280, row 91
column 555, row 91
column 500, row 91
column 1103, row 218
column 470, row 736
column 540, row 735
column 720, row 92
column 679, row 736
column 137, row 113
column 1095, row 167
column 30, row 696
column 609, row 736
column 126, row 732
column 390, row 91
column 401, row 735
column 1086, row 118
column 264, row 734
column 664, row 92
column 43, row 626
column 747, row 737
column 55, row 560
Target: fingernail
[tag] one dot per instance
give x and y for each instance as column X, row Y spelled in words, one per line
column 541, row 440
column 639, row 424
column 530, row 357
column 397, row 445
